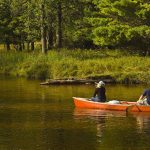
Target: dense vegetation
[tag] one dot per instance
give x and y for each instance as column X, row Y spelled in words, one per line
column 76, row 24
column 87, row 64
column 96, row 27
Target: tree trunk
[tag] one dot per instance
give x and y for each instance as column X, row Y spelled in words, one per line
column 59, row 30
column 20, row 46
column 28, row 46
column 43, row 30
column 32, row 46
column 23, row 46
column 50, row 34
column 50, row 39
column 20, row 43
column 7, row 46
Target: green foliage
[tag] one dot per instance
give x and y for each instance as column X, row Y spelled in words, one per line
column 38, row 71
column 79, row 24
column 68, row 64
column 121, row 23
column 110, row 36
column 64, row 69
column 5, row 20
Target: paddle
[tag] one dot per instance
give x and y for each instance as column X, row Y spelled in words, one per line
column 129, row 108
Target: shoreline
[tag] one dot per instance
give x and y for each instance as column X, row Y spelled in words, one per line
column 85, row 81
column 76, row 67
column 74, row 81
column 69, row 81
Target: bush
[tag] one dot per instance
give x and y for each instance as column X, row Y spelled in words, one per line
column 38, row 71
column 76, row 64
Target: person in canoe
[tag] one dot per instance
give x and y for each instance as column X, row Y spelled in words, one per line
column 144, row 98
column 99, row 94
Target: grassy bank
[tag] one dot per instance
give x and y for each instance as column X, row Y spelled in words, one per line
column 76, row 64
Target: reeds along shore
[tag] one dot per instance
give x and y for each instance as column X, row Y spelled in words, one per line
column 77, row 64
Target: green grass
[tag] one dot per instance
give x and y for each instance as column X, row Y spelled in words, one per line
column 76, row 64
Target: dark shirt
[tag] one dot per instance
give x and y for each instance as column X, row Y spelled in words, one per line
column 147, row 94
column 100, row 92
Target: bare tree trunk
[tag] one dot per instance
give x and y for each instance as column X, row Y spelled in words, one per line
column 32, row 46
column 50, row 38
column 50, row 34
column 20, row 43
column 59, row 30
column 20, row 46
column 7, row 45
column 23, row 46
column 43, row 30
column 28, row 46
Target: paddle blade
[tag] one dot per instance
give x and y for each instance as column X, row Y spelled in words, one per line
column 129, row 108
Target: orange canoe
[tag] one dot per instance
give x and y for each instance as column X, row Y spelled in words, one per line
column 123, row 106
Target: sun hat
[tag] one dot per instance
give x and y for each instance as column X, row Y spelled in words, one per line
column 100, row 84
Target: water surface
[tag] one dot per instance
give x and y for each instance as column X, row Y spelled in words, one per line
column 44, row 118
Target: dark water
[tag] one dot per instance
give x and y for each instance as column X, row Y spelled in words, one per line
column 35, row 117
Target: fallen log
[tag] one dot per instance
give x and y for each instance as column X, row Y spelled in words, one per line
column 81, row 81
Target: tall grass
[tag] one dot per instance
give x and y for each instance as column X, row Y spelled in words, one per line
column 76, row 64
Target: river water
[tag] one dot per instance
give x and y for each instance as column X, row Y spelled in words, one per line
column 34, row 117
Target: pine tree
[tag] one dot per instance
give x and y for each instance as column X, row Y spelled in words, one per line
column 122, row 23
column 5, row 23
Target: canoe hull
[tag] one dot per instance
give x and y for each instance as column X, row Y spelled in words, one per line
column 125, row 106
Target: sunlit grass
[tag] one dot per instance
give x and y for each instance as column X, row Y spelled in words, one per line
column 76, row 64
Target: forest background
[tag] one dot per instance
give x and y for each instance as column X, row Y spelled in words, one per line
column 82, row 39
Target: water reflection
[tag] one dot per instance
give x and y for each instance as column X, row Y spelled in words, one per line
column 100, row 118
column 116, row 129
column 143, row 121
column 94, row 113
column 38, row 117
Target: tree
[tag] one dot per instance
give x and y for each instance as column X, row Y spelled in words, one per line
column 58, row 23
column 43, row 27
column 32, row 26
column 122, row 23
column 59, row 26
column 5, row 23
column 66, row 24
